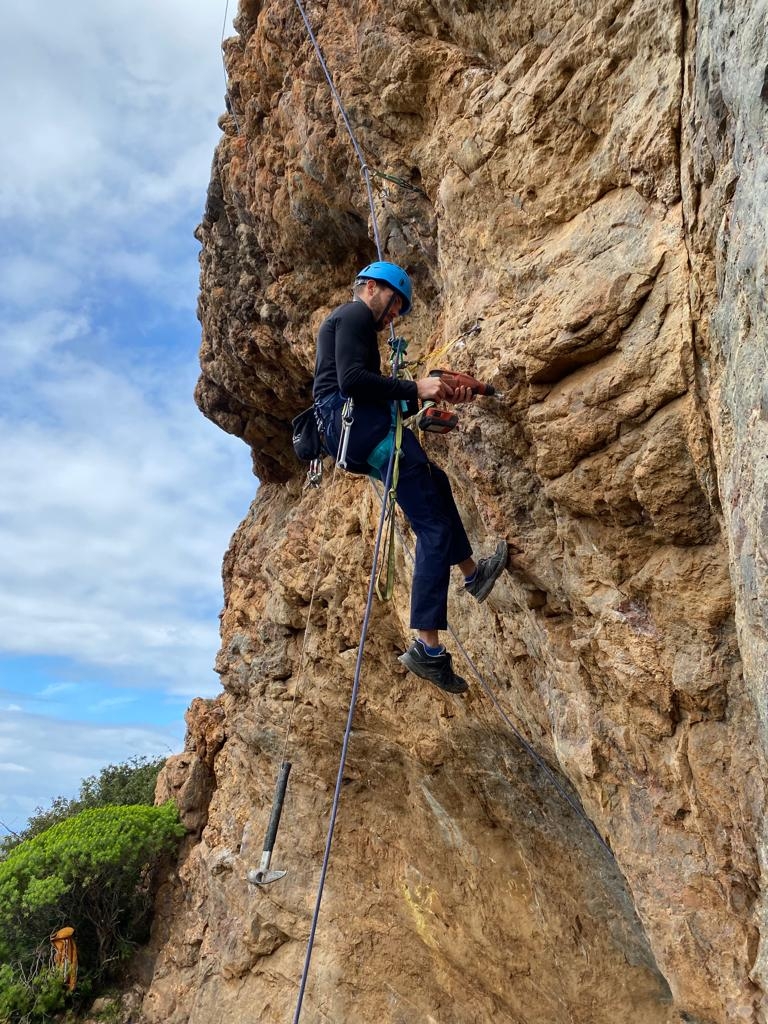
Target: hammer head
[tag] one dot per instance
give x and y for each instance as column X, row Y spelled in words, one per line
column 258, row 877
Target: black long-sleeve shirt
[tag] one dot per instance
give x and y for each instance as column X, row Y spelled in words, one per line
column 348, row 359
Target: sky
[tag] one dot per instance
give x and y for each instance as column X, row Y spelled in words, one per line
column 117, row 497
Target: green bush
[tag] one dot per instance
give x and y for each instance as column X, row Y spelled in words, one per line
column 119, row 785
column 33, row 998
column 92, row 871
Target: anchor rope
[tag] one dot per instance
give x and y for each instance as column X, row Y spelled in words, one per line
column 532, row 753
column 355, row 144
column 230, row 106
column 366, row 173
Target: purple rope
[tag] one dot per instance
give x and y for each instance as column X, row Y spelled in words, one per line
column 350, row 716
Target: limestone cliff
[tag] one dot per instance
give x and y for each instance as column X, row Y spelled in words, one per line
column 591, row 189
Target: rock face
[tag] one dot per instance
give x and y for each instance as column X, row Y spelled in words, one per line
column 590, row 187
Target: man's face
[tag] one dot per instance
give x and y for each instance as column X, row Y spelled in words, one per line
column 384, row 303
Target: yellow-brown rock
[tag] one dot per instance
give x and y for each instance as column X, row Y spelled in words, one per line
column 592, row 190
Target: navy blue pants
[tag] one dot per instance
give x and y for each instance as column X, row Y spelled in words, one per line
column 424, row 494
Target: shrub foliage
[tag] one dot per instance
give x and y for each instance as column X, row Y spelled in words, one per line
column 131, row 782
column 89, row 863
column 32, row 995
column 93, row 871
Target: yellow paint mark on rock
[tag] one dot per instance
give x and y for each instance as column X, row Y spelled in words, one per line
column 419, row 900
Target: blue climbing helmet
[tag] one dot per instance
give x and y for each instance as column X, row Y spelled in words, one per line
column 394, row 276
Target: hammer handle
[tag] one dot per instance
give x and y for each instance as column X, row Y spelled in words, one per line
column 277, row 806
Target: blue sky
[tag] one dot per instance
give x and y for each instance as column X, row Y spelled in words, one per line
column 117, row 498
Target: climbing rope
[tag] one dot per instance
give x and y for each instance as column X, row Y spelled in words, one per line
column 348, row 729
column 228, row 99
column 532, row 753
column 366, row 172
column 433, row 357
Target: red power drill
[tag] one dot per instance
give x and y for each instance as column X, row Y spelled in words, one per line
column 440, row 421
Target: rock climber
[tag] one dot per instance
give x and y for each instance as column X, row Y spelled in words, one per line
column 348, row 365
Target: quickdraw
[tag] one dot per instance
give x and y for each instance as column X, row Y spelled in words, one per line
column 385, row 580
column 347, row 419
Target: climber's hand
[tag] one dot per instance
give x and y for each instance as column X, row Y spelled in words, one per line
column 462, row 394
column 432, row 389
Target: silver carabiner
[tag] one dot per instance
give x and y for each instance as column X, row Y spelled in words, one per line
column 347, row 419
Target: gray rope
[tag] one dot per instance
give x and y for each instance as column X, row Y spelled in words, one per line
column 230, row 105
column 536, row 757
column 358, row 151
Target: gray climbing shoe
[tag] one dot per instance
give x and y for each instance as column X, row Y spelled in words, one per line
column 436, row 668
column 488, row 571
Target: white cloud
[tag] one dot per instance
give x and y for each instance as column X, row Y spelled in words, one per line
column 118, row 499
column 26, row 342
column 102, row 98
column 28, row 282
column 113, row 110
column 114, row 517
column 54, row 689
column 44, row 758
column 112, row 702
